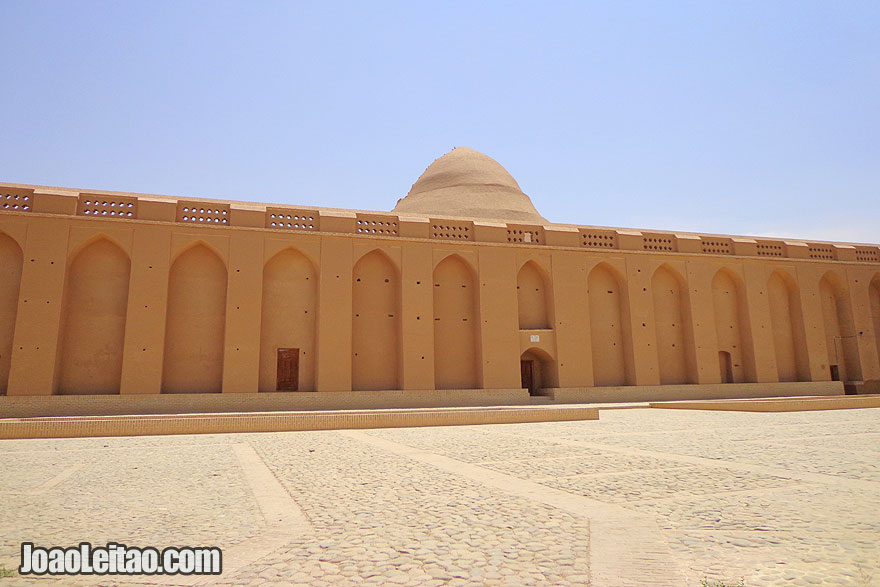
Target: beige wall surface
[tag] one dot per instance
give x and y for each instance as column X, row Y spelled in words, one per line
column 126, row 294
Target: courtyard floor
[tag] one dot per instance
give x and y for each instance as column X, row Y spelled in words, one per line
column 641, row 497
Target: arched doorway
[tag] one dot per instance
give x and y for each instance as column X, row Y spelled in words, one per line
column 537, row 371
column 840, row 336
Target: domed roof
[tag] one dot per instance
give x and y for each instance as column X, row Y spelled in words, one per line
column 467, row 184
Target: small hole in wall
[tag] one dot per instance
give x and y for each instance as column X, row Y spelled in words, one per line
column 238, row 349
column 238, row 270
column 238, row 307
column 418, row 283
column 423, row 358
column 51, row 262
column 143, row 349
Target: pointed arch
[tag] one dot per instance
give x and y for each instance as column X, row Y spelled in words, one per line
column 375, row 362
column 533, row 299
column 93, row 319
column 786, row 320
column 840, row 334
column 672, row 326
column 609, row 333
column 289, row 315
column 540, row 369
column 731, row 328
column 874, row 297
column 456, row 326
column 195, row 323
column 11, row 258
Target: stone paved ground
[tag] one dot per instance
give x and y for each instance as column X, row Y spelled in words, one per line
column 778, row 499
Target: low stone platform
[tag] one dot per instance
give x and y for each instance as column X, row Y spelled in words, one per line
column 780, row 404
column 148, row 425
column 26, row 406
column 695, row 392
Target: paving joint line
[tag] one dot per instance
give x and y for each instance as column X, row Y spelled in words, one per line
column 626, row 547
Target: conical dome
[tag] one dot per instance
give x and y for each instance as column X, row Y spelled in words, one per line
column 467, row 184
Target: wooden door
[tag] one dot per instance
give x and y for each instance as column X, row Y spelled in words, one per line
column 528, row 380
column 288, row 370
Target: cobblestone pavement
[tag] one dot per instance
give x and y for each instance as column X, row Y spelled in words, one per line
column 641, row 497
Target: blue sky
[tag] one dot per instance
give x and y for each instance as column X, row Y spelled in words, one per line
column 752, row 117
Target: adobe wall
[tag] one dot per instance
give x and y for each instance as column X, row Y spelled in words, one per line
column 147, row 300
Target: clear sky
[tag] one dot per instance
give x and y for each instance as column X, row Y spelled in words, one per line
column 747, row 117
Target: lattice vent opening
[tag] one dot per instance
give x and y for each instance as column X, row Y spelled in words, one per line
column 15, row 200
column 599, row 239
column 822, row 252
column 658, row 243
column 716, row 246
column 107, row 206
column 376, row 225
column 771, row 249
column 285, row 219
column 450, row 230
column 202, row 213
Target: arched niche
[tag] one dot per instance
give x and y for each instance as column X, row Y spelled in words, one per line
column 874, row 297
column 288, row 323
column 375, row 362
column 609, row 330
column 672, row 326
column 840, row 333
column 533, row 299
column 10, row 285
column 195, row 323
column 93, row 320
column 456, row 326
column 786, row 320
column 731, row 319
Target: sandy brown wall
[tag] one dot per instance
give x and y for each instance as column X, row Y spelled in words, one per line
column 94, row 305
column 10, row 282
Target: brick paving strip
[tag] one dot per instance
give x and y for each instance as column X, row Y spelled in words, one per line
column 627, row 549
column 285, row 521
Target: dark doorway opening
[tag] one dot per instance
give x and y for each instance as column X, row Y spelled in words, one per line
column 726, row 367
column 527, row 371
column 288, row 370
column 835, row 373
